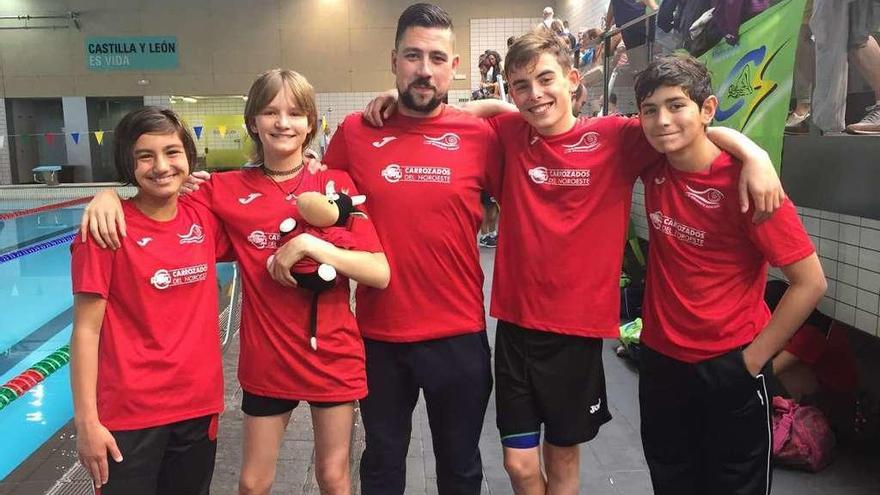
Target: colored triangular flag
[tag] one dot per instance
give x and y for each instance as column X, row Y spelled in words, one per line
column 75, row 136
column 2, row 139
column 24, row 138
column 323, row 124
column 99, row 137
column 222, row 129
column 198, row 130
column 50, row 138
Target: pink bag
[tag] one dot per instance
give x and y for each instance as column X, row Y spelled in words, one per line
column 801, row 436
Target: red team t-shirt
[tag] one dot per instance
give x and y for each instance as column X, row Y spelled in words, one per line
column 708, row 262
column 275, row 359
column 565, row 204
column 159, row 353
column 422, row 178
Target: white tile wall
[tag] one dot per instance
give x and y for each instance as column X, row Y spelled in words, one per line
column 5, row 163
column 849, row 250
column 492, row 34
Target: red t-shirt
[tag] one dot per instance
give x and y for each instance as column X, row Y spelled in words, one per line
column 275, row 359
column 707, row 263
column 829, row 353
column 565, row 203
column 159, row 353
column 422, row 178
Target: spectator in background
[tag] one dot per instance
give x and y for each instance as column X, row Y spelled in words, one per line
column 803, row 77
column 621, row 12
column 572, row 41
column 864, row 52
column 547, row 15
column 511, row 41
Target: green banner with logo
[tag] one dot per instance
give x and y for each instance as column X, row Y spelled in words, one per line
column 753, row 79
column 132, row 53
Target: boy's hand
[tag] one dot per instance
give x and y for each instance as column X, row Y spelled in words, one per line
column 192, row 182
column 102, row 218
column 291, row 252
column 93, row 442
column 759, row 180
column 381, row 108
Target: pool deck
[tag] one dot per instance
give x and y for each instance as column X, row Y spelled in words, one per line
column 612, row 464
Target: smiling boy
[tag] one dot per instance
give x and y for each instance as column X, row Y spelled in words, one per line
column 708, row 336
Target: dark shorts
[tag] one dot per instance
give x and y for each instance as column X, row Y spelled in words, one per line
column 174, row 458
column 864, row 21
column 258, row 405
column 548, row 379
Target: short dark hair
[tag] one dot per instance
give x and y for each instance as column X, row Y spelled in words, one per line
column 683, row 71
column 421, row 15
column 147, row 120
column 526, row 50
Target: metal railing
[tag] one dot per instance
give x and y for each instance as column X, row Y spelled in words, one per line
column 649, row 19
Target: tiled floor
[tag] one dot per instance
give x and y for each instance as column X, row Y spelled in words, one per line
column 612, row 464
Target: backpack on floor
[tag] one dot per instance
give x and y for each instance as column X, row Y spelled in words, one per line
column 801, row 436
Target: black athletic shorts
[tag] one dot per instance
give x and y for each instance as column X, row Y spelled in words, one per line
column 549, row 379
column 175, row 458
column 258, row 405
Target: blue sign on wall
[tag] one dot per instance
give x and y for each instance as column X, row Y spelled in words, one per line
column 132, row 53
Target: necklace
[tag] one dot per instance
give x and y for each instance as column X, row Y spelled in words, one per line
column 281, row 173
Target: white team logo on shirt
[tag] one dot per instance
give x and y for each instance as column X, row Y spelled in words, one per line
column 595, row 407
column 572, row 177
column 707, row 198
column 659, row 180
column 589, row 141
column 194, row 236
column 262, row 240
column 416, row 173
column 676, row 229
column 534, row 140
column 449, row 141
column 164, row 279
column 392, row 173
column 250, row 197
column 144, row 241
column 385, row 140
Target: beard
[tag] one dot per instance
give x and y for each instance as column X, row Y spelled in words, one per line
column 410, row 101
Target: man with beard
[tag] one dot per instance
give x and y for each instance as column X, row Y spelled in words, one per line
column 423, row 172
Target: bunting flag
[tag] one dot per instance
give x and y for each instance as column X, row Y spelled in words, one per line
column 222, row 130
column 753, row 79
column 198, row 130
column 75, row 137
column 2, row 144
column 99, row 137
column 24, row 138
column 50, row 138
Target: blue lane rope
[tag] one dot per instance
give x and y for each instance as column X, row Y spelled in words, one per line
column 37, row 247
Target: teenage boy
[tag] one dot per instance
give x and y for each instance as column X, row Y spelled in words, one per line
column 569, row 184
column 708, row 335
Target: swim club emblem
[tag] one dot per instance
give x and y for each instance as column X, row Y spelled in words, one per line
column 560, row 176
column 676, row 229
column 164, row 279
column 194, row 236
column 745, row 87
column 707, row 198
column 449, row 141
column 588, row 142
column 263, row 240
column 394, row 173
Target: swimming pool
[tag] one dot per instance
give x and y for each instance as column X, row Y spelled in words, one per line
column 36, row 315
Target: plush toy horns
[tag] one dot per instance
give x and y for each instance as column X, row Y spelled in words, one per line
column 358, row 200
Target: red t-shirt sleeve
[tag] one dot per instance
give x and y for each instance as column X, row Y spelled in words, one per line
column 91, row 268
column 808, row 344
column 336, row 156
column 782, row 238
column 638, row 154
